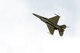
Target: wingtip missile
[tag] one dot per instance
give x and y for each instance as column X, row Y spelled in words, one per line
column 57, row 15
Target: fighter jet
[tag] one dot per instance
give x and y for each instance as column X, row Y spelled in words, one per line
column 52, row 24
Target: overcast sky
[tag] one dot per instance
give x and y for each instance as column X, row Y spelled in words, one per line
column 22, row 32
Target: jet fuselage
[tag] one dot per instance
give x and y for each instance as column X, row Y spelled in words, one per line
column 52, row 24
column 46, row 20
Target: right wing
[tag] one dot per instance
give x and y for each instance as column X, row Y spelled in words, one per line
column 54, row 19
column 51, row 29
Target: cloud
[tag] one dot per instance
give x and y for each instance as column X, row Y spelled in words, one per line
column 21, row 32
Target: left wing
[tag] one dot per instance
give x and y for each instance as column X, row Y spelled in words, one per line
column 54, row 19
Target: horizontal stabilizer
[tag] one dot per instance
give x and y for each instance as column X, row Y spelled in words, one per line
column 61, row 31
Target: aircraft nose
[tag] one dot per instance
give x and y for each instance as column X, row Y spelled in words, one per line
column 33, row 13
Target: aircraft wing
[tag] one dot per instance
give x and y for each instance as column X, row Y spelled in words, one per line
column 54, row 19
column 51, row 29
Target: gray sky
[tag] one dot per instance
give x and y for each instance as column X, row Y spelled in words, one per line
column 21, row 32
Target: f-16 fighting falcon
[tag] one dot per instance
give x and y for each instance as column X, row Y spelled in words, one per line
column 52, row 24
